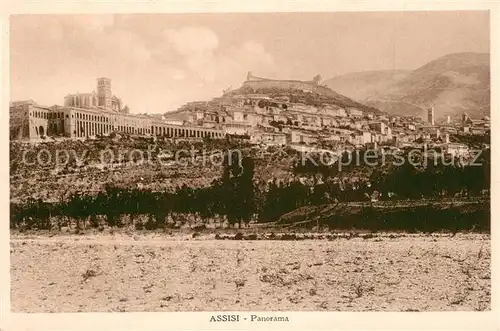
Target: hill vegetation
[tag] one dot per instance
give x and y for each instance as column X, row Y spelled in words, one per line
column 453, row 84
column 318, row 98
column 236, row 198
column 365, row 84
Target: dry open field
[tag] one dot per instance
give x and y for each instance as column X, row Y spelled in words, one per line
column 105, row 273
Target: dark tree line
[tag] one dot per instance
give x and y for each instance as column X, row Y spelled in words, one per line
column 237, row 198
column 427, row 177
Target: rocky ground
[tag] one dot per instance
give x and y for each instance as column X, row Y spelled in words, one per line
column 106, row 273
column 51, row 180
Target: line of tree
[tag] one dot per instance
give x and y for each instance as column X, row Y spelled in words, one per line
column 424, row 177
column 237, row 198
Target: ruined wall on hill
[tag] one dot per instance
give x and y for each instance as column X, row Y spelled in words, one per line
column 289, row 85
column 281, row 84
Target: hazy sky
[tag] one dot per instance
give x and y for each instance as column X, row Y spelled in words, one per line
column 158, row 62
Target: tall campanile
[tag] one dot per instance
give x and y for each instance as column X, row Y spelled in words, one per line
column 430, row 115
column 104, row 92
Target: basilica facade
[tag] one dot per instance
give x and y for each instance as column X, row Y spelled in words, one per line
column 92, row 114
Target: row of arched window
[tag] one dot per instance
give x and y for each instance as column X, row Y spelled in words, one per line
column 116, row 120
column 181, row 132
column 89, row 117
column 39, row 114
column 48, row 115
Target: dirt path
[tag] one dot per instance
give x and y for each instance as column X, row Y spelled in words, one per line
column 145, row 273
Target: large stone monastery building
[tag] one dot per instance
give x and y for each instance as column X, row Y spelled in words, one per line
column 92, row 114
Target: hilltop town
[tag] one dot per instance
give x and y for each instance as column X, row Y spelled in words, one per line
column 300, row 114
column 149, row 170
column 274, row 121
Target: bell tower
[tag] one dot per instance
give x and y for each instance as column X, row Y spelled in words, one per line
column 430, row 115
column 104, row 95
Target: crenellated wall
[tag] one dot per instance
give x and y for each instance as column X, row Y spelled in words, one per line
column 257, row 83
column 290, row 85
column 281, row 84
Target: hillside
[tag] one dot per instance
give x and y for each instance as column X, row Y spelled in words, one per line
column 361, row 85
column 320, row 95
column 453, row 84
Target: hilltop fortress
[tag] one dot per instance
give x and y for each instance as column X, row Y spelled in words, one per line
column 283, row 83
column 312, row 86
column 263, row 110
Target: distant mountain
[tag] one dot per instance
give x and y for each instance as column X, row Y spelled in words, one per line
column 365, row 84
column 452, row 84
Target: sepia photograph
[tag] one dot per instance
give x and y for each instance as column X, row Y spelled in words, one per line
column 244, row 163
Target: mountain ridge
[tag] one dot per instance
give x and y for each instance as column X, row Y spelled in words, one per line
column 453, row 84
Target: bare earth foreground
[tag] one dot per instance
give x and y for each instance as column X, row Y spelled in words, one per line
column 151, row 273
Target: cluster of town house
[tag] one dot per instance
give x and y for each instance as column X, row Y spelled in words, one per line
column 258, row 117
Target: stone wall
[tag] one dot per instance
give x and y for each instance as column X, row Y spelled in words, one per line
column 281, row 84
column 19, row 121
column 290, row 85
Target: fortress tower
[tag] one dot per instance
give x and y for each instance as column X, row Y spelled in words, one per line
column 430, row 115
column 465, row 118
column 316, row 79
column 104, row 95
